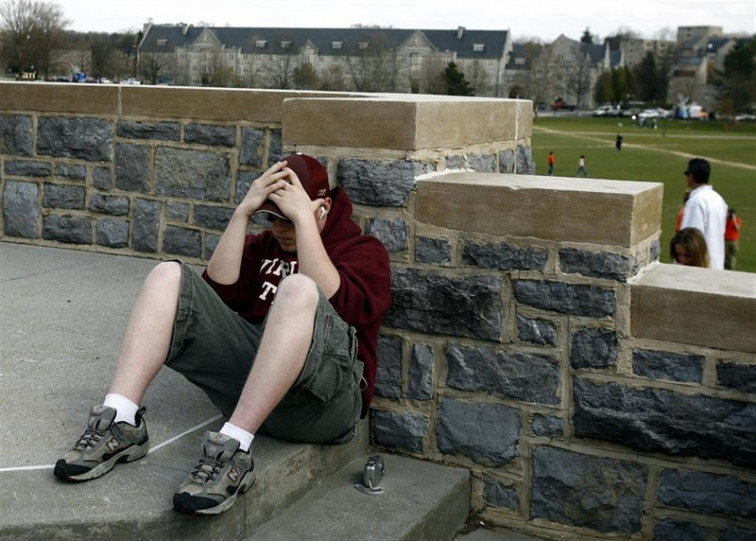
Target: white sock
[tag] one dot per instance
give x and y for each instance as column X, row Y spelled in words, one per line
column 125, row 408
column 242, row 436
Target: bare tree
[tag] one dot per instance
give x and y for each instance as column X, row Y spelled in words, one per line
column 30, row 32
column 579, row 79
column 154, row 66
column 373, row 65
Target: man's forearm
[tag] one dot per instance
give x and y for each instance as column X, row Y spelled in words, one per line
column 225, row 263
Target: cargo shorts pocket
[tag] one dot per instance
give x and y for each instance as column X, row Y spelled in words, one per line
column 332, row 365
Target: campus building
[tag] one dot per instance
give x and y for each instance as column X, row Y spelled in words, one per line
column 356, row 59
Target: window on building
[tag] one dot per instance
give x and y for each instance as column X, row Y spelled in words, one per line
column 261, row 43
column 479, row 47
column 337, row 44
column 364, row 45
column 162, row 42
column 519, row 61
column 285, row 44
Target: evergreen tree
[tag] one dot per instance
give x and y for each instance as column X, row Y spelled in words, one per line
column 739, row 81
column 456, row 83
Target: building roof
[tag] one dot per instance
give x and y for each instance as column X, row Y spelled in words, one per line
column 484, row 44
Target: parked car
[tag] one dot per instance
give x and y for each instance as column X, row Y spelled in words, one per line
column 131, row 81
column 606, row 110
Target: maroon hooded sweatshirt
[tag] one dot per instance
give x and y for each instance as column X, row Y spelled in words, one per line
column 363, row 297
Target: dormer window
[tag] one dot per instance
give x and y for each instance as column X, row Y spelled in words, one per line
column 478, row 47
column 364, row 45
column 260, row 43
column 337, row 44
column 162, row 42
column 285, row 44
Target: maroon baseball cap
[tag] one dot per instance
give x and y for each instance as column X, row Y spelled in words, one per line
column 311, row 174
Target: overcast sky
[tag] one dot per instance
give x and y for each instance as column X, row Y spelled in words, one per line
column 544, row 19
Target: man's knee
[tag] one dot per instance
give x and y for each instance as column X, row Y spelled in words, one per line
column 297, row 290
column 166, row 273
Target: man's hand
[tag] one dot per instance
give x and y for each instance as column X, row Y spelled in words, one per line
column 293, row 200
column 275, row 178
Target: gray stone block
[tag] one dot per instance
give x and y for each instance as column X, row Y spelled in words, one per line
column 102, row 178
column 578, row 490
column 571, row 299
column 63, row 196
column 741, row 377
column 251, row 151
column 667, row 365
column 136, row 129
column 481, row 163
column 421, row 372
column 500, row 495
column 670, row 529
column 388, row 381
column 112, row 233
column 486, row 433
column 593, row 348
column 146, row 222
column 596, row 264
column 736, row 533
column 21, row 209
column 525, row 163
column 117, row 205
column 88, row 139
column 503, row 256
column 547, row 426
column 428, row 250
column 211, row 243
column 70, row 171
column 666, row 422
column 707, row 493
column 523, row 376
column 379, row 183
column 435, row 303
column 392, row 233
column 16, row 135
column 536, row 331
column 213, row 217
column 401, row 430
column 27, row 169
column 177, row 210
column 207, row 134
column 192, row 174
column 182, row 241
column 69, row 229
column 133, row 167
column 275, row 151
column 507, row 161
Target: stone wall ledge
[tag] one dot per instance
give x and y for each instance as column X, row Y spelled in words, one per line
column 546, row 208
column 689, row 305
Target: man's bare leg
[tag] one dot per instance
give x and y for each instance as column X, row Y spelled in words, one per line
column 282, row 353
column 147, row 340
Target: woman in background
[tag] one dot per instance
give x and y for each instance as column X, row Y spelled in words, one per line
column 688, row 247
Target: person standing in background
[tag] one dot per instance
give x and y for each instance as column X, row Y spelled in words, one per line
column 732, row 239
column 552, row 161
column 705, row 210
column 581, row 166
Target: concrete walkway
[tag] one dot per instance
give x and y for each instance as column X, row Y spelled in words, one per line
column 62, row 316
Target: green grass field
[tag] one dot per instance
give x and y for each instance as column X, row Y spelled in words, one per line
column 659, row 155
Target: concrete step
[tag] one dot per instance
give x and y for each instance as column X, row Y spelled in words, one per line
column 134, row 501
column 420, row 501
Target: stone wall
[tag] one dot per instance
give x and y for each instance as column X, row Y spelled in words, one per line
column 534, row 338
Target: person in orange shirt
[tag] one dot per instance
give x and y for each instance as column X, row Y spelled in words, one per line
column 732, row 238
column 679, row 218
column 552, row 160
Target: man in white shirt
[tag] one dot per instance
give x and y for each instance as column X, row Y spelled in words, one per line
column 706, row 210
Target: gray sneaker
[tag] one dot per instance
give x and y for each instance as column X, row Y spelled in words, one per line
column 103, row 444
column 222, row 474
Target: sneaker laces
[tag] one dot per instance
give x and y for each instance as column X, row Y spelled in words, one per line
column 207, row 470
column 89, row 439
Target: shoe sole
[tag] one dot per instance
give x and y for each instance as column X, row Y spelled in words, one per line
column 130, row 454
column 225, row 505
